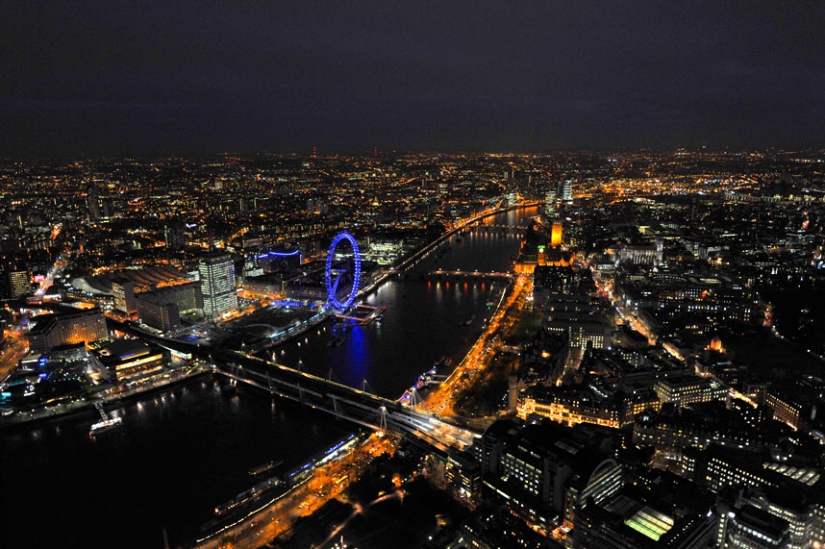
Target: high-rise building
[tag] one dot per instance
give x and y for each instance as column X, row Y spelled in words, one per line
column 93, row 202
column 19, row 282
column 660, row 249
column 567, row 191
column 174, row 235
column 124, row 294
column 110, row 208
column 550, row 204
column 217, row 276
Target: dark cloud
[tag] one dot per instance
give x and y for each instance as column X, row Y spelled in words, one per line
column 159, row 76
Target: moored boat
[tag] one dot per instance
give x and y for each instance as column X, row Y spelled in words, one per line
column 263, row 468
column 105, row 425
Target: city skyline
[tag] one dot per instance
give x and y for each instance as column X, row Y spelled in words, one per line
column 187, row 78
column 567, row 348
column 549, row 274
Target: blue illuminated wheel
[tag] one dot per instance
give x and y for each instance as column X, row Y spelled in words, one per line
column 335, row 274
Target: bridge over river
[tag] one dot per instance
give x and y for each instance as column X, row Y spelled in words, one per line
column 356, row 405
column 441, row 274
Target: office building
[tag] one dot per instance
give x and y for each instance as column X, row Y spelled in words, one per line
column 752, row 528
column 567, row 191
column 162, row 308
column 19, row 284
column 795, row 408
column 579, row 318
column 544, row 470
column 217, row 277
column 689, row 389
column 124, row 296
column 464, row 476
column 791, row 492
column 626, row 521
column 569, row 406
column 54, row 330
column 550, row 204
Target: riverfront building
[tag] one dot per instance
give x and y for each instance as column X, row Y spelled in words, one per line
column 67, row 329
column 130, row 359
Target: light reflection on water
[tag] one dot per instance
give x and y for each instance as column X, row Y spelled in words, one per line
column 187, row 449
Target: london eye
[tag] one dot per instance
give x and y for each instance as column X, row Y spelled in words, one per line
column 343, row 276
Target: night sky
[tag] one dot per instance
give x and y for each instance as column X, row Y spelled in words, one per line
column 176, row 76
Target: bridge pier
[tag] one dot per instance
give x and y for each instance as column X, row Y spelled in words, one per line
column 415, row 400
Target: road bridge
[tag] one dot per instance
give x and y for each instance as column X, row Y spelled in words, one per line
column 356, row 405
column 517, row 229
column 469, row 224
column 466, row 275
column 360, row 407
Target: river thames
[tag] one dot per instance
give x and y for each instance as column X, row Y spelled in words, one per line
column 184, row 450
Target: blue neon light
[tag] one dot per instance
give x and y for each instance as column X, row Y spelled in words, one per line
column 287, row 303
column 356, row 276
column 333, row 448
column 279, row 254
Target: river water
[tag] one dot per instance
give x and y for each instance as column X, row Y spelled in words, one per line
column 184, row 450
